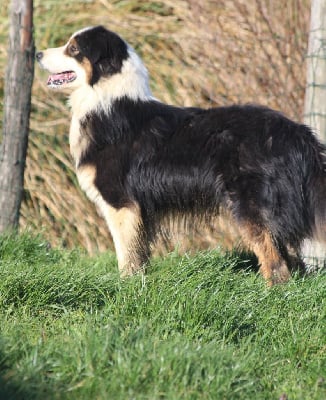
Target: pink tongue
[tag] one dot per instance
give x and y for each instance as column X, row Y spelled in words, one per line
column 63, row 76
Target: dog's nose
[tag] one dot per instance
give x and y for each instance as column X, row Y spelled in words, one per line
column 39, row 55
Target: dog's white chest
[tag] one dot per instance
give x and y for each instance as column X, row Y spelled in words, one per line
column 78, row 143
column 86, row 178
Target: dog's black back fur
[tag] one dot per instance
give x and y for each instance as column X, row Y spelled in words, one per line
column 250, row 160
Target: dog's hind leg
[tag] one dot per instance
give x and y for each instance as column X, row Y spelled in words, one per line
column 129, row 237
column 273, row 266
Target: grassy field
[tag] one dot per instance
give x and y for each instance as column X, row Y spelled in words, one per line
column 202, row 327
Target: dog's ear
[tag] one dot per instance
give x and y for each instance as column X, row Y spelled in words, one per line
column 105, row 50
column 113, row 51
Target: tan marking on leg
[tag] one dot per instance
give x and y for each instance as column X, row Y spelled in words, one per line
column 125, row 225
column 126, row 228
column 272, row 265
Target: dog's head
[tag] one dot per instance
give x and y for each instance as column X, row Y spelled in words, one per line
column 89, row 55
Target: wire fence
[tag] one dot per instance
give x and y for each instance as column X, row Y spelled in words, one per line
column 315, row 104
column 315, row 101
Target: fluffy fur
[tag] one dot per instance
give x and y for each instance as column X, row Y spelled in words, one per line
column 140, row 160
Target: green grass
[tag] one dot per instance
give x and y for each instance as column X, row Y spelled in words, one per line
column 194, row 328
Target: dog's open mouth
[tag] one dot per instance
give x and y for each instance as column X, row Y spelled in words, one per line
column 56, row 80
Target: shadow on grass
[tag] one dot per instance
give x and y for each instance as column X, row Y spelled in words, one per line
column 9, row 392
column 14, row 386
column 249, row 262
column 246, row 261
column 8, row 389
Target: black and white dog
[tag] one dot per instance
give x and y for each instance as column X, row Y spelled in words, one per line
column 140, row 160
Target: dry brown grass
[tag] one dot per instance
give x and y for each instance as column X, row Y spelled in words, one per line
column 198, row 53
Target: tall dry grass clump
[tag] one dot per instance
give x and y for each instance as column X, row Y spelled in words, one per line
column 205, row 54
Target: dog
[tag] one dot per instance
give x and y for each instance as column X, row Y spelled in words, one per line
column 141, row 161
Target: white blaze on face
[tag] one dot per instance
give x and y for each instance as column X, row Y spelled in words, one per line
column 65, row 71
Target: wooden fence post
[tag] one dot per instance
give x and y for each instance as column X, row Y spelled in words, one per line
column 17, row 104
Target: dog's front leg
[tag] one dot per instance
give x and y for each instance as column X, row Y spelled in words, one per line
column 129, row 237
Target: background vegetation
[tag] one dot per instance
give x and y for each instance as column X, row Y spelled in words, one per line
column 206, row 53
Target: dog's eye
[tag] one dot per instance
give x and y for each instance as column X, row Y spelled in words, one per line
column 73, row 49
